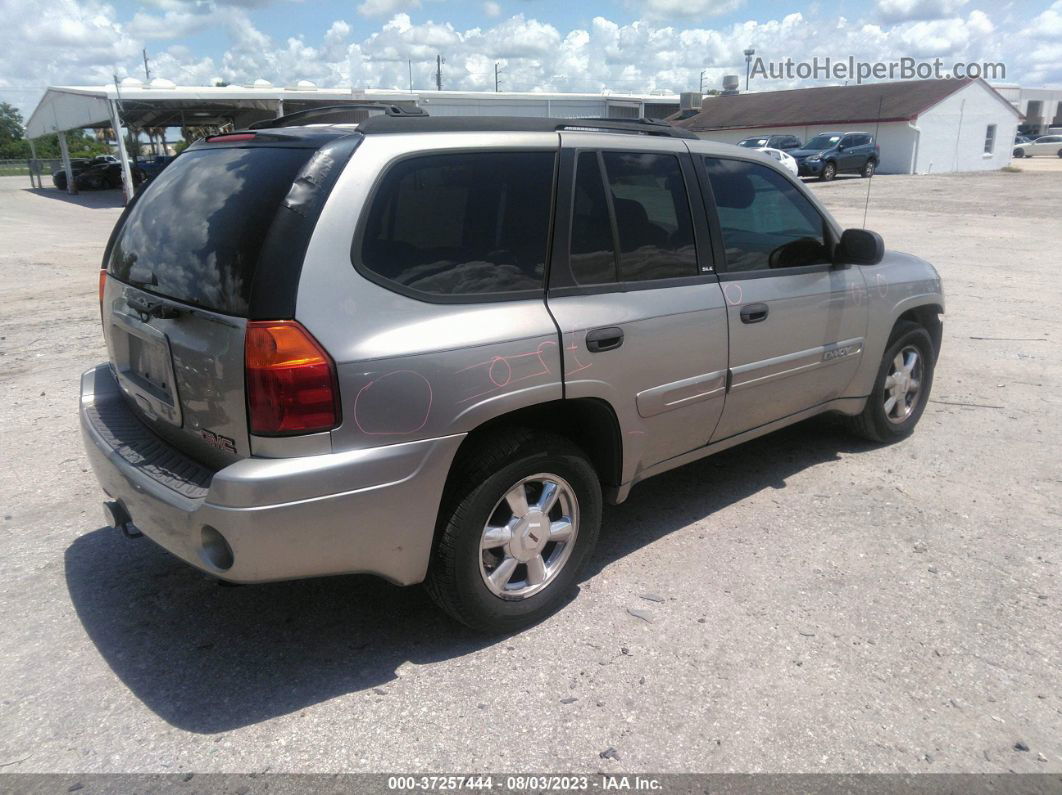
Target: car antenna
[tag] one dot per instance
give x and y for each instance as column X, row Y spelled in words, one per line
column 877, row 124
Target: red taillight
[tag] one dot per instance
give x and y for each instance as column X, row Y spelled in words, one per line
column 229, row 138
column 103, row 285
column 291, row 381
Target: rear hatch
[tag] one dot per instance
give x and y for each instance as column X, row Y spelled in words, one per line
column 214, row 241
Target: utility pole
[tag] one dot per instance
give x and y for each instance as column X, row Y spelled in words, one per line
column 438, row 72
column 497, row 80
column 748, row 65
column 410, row 63
column 702, row 80
column 147, row 71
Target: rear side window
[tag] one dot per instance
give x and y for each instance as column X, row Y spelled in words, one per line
column 646, row 197
column 196, row 232
column 652, row 216
column 467, row 224
column 766, row 221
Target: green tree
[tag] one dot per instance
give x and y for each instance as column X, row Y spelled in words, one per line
column 11, row 128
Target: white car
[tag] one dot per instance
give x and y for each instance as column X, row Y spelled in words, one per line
column 1044, row 145
column 784, row 158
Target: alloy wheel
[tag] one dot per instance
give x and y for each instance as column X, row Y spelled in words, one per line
column 529, row 536
column 903, row 385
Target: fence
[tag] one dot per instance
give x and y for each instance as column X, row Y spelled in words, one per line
column 19, row 168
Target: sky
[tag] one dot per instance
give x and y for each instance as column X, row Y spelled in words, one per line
column 540, row 45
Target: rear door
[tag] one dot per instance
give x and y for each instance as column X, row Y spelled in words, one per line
column 848, row 157
column 181, row 269
column 634, row 295
column 796, row 321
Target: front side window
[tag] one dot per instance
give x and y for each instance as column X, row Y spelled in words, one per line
column 766, row 221
column 462, row 224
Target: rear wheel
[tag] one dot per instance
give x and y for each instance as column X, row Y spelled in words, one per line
column 829, row 171
column 519, row 522
column 868, row 169
column 901, row 389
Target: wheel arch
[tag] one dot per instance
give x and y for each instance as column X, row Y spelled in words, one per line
column 928, row 316
column 590, row 423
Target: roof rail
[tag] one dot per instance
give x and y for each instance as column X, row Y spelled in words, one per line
column 334, row 114
column 641, row 126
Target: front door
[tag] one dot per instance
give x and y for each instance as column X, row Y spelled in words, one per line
column 796, row 321
column 642, row 320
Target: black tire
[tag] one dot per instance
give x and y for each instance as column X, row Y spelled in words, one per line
column 829, row 171
column 1019, row 152
column 868, row 169
column 1060, row 152
column 487, row 472
column 872, row 423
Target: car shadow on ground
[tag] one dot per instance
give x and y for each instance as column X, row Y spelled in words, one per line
column 210, row 659
column 89, row 199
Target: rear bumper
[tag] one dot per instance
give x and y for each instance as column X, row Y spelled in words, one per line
column 368, row 510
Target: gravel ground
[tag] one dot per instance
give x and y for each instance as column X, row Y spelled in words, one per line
column 811, row 603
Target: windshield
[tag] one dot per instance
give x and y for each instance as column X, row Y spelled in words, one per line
column 753, row 143
column 196, row 232
column 822, row 142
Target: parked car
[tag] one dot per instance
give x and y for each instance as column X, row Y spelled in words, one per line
column 831, row 153
column 98, row 173
column 784, row 142
column 784, row 158
column 1044, row 145
column 152, row 167
column 330, row 349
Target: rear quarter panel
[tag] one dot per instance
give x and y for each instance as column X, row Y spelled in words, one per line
column 412, row 369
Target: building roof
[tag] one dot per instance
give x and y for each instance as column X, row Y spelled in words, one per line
column 842, row 106
column 161, row 103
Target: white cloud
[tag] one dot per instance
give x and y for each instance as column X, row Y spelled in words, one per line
column 669, row 9
column 904, row 10
column 379, row 8
column 491, row 9
column 86, row 42
column 1048, row 23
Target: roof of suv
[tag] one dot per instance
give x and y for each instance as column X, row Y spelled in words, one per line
column 394, row 119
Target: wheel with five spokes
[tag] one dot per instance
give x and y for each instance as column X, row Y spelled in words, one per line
column 902, row 387
column 520, row 519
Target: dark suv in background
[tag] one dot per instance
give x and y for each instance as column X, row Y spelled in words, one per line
column 783, row 142
column 830, row 153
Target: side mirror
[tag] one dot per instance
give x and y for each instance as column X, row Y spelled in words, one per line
column 860, row 246
column 840, row 147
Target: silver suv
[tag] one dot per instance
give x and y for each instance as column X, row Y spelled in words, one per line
column 430, row 348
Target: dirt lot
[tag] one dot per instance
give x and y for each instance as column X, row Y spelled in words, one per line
column 827, row 605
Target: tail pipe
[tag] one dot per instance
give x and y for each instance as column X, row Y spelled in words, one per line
column 118, row 517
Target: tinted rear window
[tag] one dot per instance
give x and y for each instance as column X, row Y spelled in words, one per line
column 196, row 232
column 462, row 224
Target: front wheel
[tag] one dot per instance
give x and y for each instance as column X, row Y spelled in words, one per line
column 901, row 389
column 521, row 518
column 829, row 171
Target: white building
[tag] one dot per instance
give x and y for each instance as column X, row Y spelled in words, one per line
column 1041, row 107
column 922, row 126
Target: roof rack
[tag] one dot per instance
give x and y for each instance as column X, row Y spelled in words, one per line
column 412, row 124
column 335, row 114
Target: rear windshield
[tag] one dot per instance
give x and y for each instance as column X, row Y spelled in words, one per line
column 196, row 232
